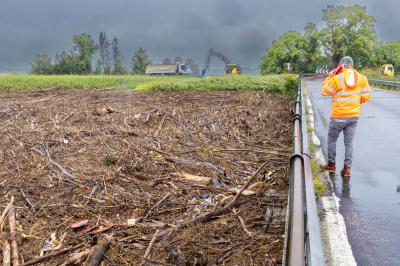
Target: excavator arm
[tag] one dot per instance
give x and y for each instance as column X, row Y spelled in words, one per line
column 211, row 54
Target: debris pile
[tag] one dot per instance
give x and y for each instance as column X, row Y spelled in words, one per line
column 124, row 178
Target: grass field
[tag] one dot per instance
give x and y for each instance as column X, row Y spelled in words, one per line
column 285, row 84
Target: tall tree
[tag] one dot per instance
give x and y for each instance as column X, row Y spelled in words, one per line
column 70, row 63
column 290, row 48
column 42, row 65
column 119, row 68
column 139, row 62
column 76, row 61
column 315, row 58
column 349, row 31
column 390, row 54
column 84, row 48
column 99, row 68
column 104, row 48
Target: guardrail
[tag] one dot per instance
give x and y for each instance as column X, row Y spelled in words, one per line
column 314, row 75
column 385, row 82
column 303, row 245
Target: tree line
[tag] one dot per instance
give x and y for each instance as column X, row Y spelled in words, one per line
column 348, row 30
column 79, row 59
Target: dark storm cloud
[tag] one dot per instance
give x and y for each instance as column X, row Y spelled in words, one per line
column 239, row 29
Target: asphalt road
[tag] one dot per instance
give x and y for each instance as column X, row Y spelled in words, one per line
column 370, row 200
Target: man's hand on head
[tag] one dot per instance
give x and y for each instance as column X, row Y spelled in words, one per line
column 336, row 71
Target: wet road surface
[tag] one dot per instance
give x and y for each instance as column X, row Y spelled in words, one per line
column 370, row 200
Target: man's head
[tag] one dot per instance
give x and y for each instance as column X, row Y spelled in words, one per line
column 346, row 61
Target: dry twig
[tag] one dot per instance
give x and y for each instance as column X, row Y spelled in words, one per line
column 13, row 235
column 5, row 212
column 31, row 206
column 150, row 247
column 69, row 176
column 6, row 253
column 236, row 213
column 156, row 205
column 52, row 255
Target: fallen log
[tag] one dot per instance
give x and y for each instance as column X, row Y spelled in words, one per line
column 76, row 258
column 193, row 178
column 245, row 192
column 98, row 255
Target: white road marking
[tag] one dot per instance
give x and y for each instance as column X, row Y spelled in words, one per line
column 338, row 246
column 315, row 140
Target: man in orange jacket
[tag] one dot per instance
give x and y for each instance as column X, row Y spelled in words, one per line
column 349, row 90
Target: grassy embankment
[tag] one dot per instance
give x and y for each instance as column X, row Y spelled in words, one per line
column 285, row 84
column 319, row 186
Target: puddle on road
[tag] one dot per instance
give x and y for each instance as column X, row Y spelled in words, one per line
column 375, row 192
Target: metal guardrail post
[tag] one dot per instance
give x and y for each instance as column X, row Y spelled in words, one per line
column 303, row 244
column 385, row 82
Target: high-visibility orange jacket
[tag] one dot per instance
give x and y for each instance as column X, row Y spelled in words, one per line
column 349, row 90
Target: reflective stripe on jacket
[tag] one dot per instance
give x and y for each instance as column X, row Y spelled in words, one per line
column 349, row 90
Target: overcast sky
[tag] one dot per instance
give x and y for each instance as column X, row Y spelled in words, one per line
column 241, row 30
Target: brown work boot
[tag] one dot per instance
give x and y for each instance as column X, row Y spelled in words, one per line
column 330, row 167
column 346, row 171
